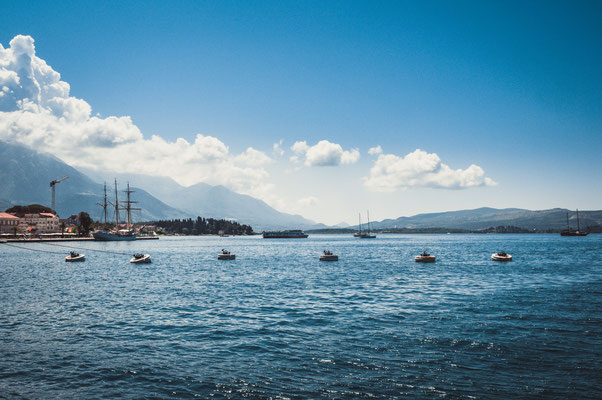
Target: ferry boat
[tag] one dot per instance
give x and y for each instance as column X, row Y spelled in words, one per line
column 117, row 234
column 569, row 232
column 288, row 234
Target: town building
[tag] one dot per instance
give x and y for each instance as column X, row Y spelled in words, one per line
column 8, row 223
column 39, row 223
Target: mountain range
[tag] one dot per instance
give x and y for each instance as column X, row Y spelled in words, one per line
column 483, row 218
column 26, row 174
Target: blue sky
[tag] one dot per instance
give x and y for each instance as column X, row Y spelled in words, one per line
column 514, row 88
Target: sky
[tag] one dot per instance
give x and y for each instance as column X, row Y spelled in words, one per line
column 323, row 109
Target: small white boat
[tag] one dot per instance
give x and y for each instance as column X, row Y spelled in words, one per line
column 501, row 256
column 425, row 258
column 141, row 259
column 226, row 255
column 328, row 256
column 75, row 257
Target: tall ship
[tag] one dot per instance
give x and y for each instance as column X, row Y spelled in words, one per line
column 569, row 232
column 366, row 234
column 117, row 234
column 288, row 234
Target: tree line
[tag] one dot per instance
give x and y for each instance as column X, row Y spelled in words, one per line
column 203, row 226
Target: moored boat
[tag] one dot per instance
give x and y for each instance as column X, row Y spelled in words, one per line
column 117, row 234
column 501, row 256
column 424, row 258
column 141, row 259
column 226, row 255
column 328, row 256
column 569, row 232
column 288, row 234
column 75, row 257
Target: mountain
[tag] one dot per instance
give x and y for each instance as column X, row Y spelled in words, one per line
column 482, row 218
column 215, row 201
column 26, row 176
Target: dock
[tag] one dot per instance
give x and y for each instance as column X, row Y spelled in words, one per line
column 68, row 239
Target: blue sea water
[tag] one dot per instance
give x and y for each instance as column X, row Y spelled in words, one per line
column 277, row 323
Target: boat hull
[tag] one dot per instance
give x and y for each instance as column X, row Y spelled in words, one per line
column 425, row 259
column 143, row 260
column 109, row 236
column 496, row 257
column 329, row 258
column 292, row 234
column 79, row 258
column 574, row 233
column 226, row 257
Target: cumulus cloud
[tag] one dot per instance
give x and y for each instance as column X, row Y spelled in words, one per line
column 373, row 151
column 277, row 149
column 420, row 168
column 324, row 153
column 37, row 110
column 253, row 157
column 308, row 201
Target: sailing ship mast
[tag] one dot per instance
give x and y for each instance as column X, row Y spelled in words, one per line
column 128, row 206
column 360, row 220
column 116, row 208
column 105, row 203
column 369, row 227
column 578, row 230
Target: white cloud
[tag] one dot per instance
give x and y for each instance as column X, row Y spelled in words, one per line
column 277, row 149
column 420, row 168
column 36, row 110
column 253, row 157
column 324, row 153
column 375, row 150
column 308, row 201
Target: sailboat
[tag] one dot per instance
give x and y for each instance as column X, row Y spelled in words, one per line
column 118, row 234
column 569, row 232
column 365, row 234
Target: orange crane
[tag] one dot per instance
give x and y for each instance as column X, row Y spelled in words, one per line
column 52, row 184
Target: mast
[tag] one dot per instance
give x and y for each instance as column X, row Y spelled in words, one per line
column 369, row 227
column 578, row 220
column 128, row 206
column 568, row 227
column 359, row 215
column 116, row 208
column 104, row 203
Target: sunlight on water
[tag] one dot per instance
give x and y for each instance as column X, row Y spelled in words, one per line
column 278, row 322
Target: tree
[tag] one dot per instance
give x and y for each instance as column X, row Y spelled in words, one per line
column 85, row 222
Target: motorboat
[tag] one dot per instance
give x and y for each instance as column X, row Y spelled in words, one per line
column 501, row 256
column 75, row 257
column 328, row 256
column 425, row 258
column 141, row 259
column 226, row 255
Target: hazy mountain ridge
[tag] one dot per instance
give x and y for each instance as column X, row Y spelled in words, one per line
column 485, row 217
column 216, row 202
column 26, row 175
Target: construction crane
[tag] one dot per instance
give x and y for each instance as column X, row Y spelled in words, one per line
column 52, row 184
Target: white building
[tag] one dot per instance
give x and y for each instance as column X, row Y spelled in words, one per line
column 8, row 223
column 42, row 223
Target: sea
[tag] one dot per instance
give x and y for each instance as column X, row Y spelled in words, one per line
column 276, row 323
